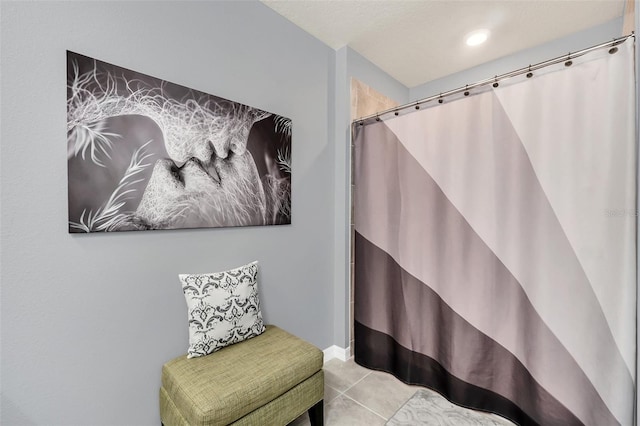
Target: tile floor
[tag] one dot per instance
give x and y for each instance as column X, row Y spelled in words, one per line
column 355, row 396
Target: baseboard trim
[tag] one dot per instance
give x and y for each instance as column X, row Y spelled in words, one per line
column 334, row 351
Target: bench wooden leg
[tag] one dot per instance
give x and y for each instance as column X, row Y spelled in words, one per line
column 316, row 414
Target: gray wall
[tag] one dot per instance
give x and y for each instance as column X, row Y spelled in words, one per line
column 571, row 43
column 88, row 320
column 365, row 71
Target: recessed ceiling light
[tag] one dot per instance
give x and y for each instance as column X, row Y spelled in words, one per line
column 477, row 37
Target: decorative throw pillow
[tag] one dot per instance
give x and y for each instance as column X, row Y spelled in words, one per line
column 223, row 308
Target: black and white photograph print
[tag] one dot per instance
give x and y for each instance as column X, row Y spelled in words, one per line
column 146, row 154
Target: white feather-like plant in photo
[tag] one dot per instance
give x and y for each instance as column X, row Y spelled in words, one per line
column 283, row 125
column 109, row 216
column 92, row 137
column 284, row 159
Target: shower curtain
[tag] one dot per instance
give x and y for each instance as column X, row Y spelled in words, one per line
column 495, row 245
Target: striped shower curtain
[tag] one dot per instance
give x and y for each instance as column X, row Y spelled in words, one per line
column 495, row 245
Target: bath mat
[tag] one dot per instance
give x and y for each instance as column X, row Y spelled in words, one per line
column 428, row 408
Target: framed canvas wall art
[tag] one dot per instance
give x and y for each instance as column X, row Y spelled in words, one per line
column 145, row 154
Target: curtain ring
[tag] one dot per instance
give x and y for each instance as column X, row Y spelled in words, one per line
column 495, row 79
column 569, row 61
column 440, row 100
column 529, row 74
column 466, row 90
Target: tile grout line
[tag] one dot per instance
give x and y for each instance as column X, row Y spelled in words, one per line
column 358, row 402
column 343, row 393
column 355, row 383
column 335, row 397
column 364, row 406
column 340, row 393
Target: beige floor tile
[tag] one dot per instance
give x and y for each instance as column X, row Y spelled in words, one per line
column 303, row 420
column 330, row 394
column 344, row 411
column 381, row 392
column 342, row 375
column 355, row 396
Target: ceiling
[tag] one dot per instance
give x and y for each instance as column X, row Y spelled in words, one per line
column 416, row 41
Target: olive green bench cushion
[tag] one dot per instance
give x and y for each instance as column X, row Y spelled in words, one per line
column 232, row 383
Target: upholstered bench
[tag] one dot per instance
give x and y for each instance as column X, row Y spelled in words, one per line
column 270, row 379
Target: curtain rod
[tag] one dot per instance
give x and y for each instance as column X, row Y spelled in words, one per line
column 528, row 70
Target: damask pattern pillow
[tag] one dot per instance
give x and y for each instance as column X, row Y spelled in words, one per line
column 223, row 308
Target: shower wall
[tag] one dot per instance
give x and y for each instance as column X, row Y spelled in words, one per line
column 365, row 100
